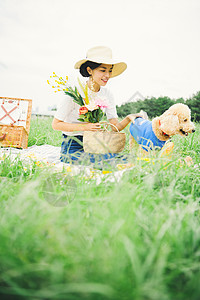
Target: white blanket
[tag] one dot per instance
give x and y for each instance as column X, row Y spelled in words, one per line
column 50, row 155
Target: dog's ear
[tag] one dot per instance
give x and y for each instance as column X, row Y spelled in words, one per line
column 169, row 124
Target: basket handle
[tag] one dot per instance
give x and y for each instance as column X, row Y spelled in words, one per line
column 2, row 137
column 105, row 125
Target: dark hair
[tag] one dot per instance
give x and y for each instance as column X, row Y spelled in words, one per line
column 88, row 63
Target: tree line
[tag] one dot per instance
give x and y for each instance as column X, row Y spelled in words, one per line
column 156, row 106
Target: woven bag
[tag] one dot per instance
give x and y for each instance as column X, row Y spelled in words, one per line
column 102, row 142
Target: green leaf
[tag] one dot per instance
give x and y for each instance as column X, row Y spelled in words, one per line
column 100, row 114
column 95, row 113
column 81, row 100
column 82, row 116
column 91, row 119
column 76, row 99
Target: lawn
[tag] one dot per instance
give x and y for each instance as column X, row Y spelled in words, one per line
column 137, row 238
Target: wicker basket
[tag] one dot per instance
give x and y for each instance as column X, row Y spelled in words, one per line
column 15, row 117
column 102, row 142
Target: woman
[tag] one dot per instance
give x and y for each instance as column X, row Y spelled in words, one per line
column 99, row 67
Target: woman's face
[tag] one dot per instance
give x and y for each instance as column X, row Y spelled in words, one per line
column 102, row 74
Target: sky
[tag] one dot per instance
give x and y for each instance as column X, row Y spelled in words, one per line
column 158, row 39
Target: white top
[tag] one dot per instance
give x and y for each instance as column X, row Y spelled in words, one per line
column 68, row 110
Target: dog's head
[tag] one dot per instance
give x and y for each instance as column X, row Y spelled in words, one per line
column 177, row 120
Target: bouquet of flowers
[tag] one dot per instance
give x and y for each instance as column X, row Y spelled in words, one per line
column 91, row 108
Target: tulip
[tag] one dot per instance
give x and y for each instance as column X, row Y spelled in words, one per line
column 83, row 110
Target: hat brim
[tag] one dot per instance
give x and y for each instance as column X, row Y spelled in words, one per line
column 118, row 67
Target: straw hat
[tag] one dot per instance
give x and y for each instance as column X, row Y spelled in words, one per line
column 103, row 55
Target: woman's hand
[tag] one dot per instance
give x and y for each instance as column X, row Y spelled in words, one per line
column 91, row 127
column 141, row 114
column 130, row 118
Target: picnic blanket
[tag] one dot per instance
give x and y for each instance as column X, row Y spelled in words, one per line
column 50, row 156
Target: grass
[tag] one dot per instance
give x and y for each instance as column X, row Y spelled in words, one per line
column 138, row 238
column 41, row 132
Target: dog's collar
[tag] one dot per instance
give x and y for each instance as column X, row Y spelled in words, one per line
column 163, row 131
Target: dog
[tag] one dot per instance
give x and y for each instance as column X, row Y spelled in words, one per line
column 152, row 135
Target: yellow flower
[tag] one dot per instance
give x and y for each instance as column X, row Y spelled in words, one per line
column 66, row 77
column 144, row 158
column 86, row 94
column 106, row 172
column 85, row 90
column 48, row 82
column 124, row 166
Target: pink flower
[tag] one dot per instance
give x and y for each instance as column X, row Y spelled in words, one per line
column 101, row 103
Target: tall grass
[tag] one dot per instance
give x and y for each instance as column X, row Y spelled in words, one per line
column 137, row 238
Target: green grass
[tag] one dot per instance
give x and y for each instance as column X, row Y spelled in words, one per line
column 138, row 238
column 41, row 132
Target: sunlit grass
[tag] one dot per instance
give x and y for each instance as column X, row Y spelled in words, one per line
column 137, row 238
column 41, row 132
